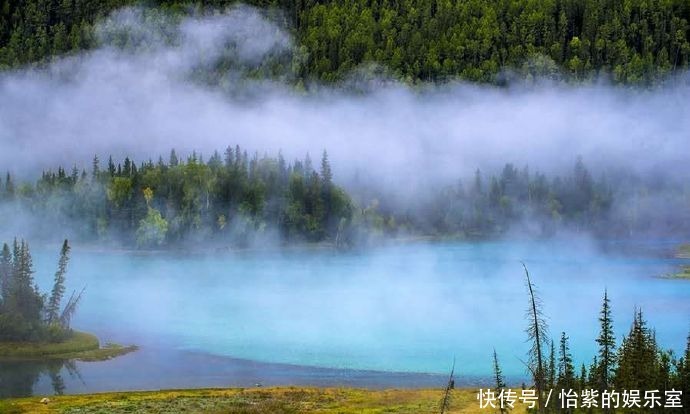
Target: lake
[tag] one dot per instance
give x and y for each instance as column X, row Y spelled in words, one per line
column 383, row 317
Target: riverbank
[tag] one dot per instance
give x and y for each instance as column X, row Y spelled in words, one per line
column 80, row 346
column 683, row 252
column 277, row 400
column 683, row 273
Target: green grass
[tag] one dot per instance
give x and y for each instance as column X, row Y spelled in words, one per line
column 281, row 400
column 684, row 273
column 79, row 345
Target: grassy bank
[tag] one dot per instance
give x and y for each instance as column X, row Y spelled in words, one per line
column 684, row 273
column 79, row 345
column 254, row 401
column 683, row 252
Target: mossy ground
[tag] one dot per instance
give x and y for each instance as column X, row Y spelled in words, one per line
column 282, row 400
column 683, row 252
column 684, row 273
column 79, row 345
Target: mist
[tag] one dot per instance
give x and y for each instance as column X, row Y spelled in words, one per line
column 207, row 81
column 138, row 97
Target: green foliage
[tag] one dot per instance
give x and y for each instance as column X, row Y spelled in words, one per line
column 638, row 364
column 24, row 313
column 607, row 346
column 53, row 306
column 566, row 371
column 638, row 358
column 515, row 195
column 633, row 41
column 231, row 200
column 152, row 229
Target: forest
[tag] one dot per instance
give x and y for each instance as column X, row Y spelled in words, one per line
column 636, row 363
column 626, row 41
column 231, row 198
column 238, row 200
column 26, row 314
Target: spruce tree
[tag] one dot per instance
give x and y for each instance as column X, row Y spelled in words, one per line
column 683, row 370
column 552, row 366
column 637, row 357
column 607, row 346
column 53, row 310
column 582, row 380
column 9, row 187
column 566, row 371
column 5, row 272
column 326, row 173
column 24, row 299
column 499, row 381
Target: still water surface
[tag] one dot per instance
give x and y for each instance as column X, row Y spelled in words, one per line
column 392, row 316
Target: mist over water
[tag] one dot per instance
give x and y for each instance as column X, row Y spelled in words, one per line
column 138, row 97
column 398, row 308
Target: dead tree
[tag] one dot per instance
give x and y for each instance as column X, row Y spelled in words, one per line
column 537, row 333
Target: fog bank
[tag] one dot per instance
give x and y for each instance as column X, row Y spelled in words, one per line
column 140, row 100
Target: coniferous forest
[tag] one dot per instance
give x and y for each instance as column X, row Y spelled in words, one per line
column 26, row 314
column 636, row 363
column 239, row 200
column 627, row 41
column 450, row 141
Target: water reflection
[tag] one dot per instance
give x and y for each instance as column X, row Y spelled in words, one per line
column 18, row 378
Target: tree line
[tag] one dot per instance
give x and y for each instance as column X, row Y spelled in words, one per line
column 27, row 314
column 637, row 362
column 230, row 198
column 238, row 200
column 491, row 205
column 631, row 41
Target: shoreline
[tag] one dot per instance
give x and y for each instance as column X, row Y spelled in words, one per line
column 675, row 248
column 195, row 370
column 80, row 346
column 289, row 399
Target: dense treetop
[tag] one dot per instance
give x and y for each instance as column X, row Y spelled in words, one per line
column 632, row 41
column 26, row 314
column 237, row 199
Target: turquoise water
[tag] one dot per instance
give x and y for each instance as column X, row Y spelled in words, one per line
column 401, row 308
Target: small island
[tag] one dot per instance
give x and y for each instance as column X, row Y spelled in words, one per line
column 683, row 273
column 683, row 252
column 35, row 326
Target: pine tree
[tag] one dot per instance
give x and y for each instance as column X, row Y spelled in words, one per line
column 498, row 374
column 607, row 346
column 25, row 300
column 53, row 309
column 499, row 380
column 582, row 380
column 5, row 272
column 683, row 370
column 326, row 173
column 111, row 166
column 95, row 169
column 552, row 366
column 9, row 187
column 637, row 357
column 174, row 161
column 566, row 371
